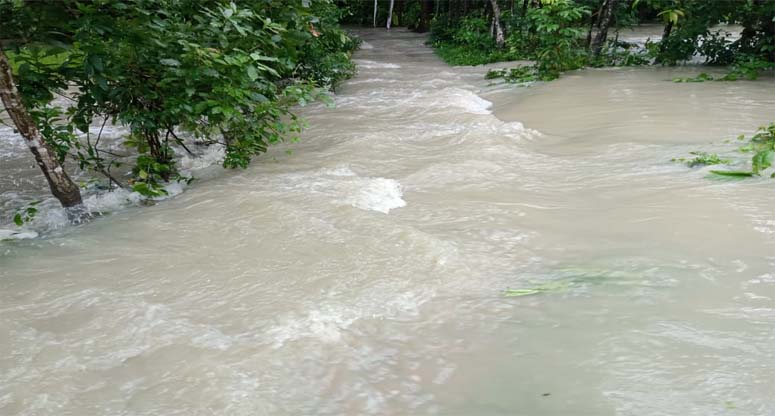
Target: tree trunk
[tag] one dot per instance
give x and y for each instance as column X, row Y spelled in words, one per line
column 62, row 187
column 663, row 41
column 426, row 13
column 769, row 33
column 390, row 14
column 500, row 37
column 604, row 23
column 375, row 13
column 767, row 18
column 594, row 19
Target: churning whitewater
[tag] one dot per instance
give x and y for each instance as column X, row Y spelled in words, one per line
column 363, row 269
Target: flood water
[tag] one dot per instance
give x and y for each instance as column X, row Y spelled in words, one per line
column 364, row 272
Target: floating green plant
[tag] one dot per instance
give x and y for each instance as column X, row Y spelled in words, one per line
column 570, row 278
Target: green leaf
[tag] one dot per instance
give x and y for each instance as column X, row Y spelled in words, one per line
column 733, row 173
column 96, row 62
column 258, row 57
column 522, row 292
column 170, row 62
column 17, row 219
column 762, row 160
column 252, row 72
column 147, row 190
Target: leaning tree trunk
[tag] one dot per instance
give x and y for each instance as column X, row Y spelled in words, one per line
column 604, row 23
column 390, row 14
column 62, row 187
column 594, row 19
column 500, row 37
column 667, row 31
column 375, row 13
column 663, row 41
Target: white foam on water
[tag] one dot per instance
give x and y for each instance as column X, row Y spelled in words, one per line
column 445, row 174
column 11, row 144
column 328, row 321
column 344, row 187
column 326, row 326
column 212, row 155
column 380, row 195
column 109, row 201
column 51, row 216
column 366, row 45
column 463, row 99
column 368, row 64
column 372, row 81
column 436, row 83
column 17, row 234
column 341, row 170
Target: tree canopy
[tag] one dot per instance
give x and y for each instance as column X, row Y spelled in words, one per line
column 173, row 72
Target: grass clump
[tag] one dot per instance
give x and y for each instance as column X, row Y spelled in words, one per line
column 702, row 159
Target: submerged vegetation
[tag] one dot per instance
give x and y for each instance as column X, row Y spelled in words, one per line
column 572, row 279
column 702, row 159
column 174, row 73
column 761, row 147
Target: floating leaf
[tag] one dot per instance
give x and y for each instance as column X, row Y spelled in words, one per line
column 573, row 278
column 732, row 173
column 762, row 160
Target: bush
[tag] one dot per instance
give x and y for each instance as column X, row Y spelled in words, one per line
column 466, row 41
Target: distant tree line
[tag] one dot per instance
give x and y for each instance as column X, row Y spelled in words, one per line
column 567, row 34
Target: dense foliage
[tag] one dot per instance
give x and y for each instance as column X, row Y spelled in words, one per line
column 174, row 72
column 561, row 35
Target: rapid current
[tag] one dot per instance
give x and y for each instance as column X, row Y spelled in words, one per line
column 365, row 269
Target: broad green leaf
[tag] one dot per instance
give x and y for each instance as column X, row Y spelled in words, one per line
column 762, row 160
column 252, row 72
column 170, row 62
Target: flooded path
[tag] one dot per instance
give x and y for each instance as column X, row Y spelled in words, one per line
column 364, row 272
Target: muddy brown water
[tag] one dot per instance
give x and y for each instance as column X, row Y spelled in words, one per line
column 364, row 272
